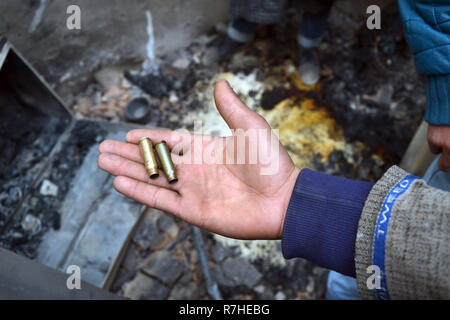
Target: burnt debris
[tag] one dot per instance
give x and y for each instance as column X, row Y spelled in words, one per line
column 27, row 212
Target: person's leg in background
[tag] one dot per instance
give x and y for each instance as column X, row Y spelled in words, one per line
column 312, row 27
column 341, row 287
column 246, row 15
column 239, row 31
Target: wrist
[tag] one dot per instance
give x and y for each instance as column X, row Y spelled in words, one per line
column 322, row 218
column 290, row 184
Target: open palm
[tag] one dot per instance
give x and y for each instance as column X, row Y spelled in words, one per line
column 231, row 198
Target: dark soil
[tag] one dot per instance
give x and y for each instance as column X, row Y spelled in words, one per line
column 60, row 171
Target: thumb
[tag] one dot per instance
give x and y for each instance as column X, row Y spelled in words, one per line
column 235, row 113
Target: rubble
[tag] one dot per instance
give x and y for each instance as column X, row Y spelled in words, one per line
column 237, row 271
column 22, row 232
column 31, row 224
column 48, row 188
column 14, row 194
column 145, row 288
column 163, row 267
column 280, row 296
column 220, row 252
column 147, row 236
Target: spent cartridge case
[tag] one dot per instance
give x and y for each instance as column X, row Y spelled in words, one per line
column 150, row 163
column 166, row 161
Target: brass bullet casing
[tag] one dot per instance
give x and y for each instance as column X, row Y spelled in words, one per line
column 150, row 163
column 166, row 161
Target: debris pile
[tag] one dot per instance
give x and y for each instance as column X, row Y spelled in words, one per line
column 27, row 210
column 162, row 263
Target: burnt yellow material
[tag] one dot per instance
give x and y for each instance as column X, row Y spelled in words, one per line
column 166, row 161
column 146, row 146
column 307, row 130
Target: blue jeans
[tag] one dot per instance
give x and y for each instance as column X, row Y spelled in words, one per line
column 340, row 287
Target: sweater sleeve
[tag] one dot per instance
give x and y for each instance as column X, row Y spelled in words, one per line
column 403, row 232
column 398, row 227
column 322, row 218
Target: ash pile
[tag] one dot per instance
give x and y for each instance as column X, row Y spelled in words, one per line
column 29, row 209
column 52, row 209
column 356, row 122
column 34, row 176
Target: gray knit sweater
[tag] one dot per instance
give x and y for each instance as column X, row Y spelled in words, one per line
column 416, row 241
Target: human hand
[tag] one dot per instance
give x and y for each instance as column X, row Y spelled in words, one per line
column 234, row 200
column 439, row 141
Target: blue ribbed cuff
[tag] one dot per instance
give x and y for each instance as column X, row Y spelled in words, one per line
column 438, row 100
column 322, row 220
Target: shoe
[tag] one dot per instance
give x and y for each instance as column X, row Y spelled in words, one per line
column 309, row 67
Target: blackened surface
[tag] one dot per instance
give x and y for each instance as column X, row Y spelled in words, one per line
column 378, row 59
column 61, row 170
column 26, row 139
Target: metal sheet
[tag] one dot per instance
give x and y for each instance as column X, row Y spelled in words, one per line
column 21, row 278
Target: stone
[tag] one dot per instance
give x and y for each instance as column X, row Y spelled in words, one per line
column 173, row 97
column 189, row 291
column 154, row 84
column 150, row 240
column 48, row 188
column 383, row 96
column 409, row 86
column 167, row 224
column 220, row 252
column 84, row 106
column 260, row 289
column 280, row 296
column 144, row 288
column 108, row 77
column 181, row 63
column 14, row 193
column 163, row 267
column 241, row 62
column 148, row 235
column 185, row 279
column 237, row 271
column 31, row 224
column 210, row 57
column 174, row 118
column 123, row 276
column 131, row 259
column 310, row 287
column 113, row 92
